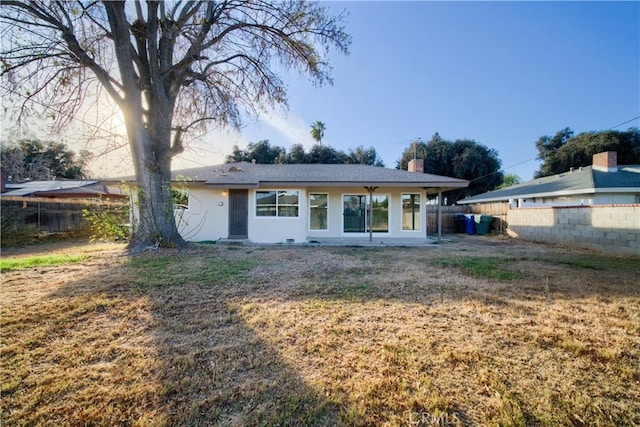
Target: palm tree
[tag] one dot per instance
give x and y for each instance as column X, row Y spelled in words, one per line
column 317, row 131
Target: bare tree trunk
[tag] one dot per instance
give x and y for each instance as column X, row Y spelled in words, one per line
column 156, row 226
column 149, row 134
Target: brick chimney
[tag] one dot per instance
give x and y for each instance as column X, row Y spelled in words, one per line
column 416, row 166
column 606, row 162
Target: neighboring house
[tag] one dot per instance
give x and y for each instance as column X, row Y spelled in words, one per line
column 269, row 203
column 596, row 206
column 53, row 206
column 84, row 189
column 604, row 183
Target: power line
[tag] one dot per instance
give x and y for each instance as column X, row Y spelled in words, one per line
column 624, row 123
column 534, row 158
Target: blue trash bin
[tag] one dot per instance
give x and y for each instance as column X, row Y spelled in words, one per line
column 470, row 224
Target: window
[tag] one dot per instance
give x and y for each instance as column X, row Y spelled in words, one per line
column 281, row 203
column 411, row 211
column 357, row 209
column 288, row 203
column 266, row 203
column 318, row 211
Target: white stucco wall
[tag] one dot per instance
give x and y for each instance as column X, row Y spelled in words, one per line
column 613, row 199
column 207, row 217
column 579, row 200
column 278, row 229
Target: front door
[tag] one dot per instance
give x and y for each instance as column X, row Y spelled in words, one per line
column 238, row 214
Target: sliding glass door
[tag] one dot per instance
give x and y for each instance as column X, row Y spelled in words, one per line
column 357, row 210
column 355, row 213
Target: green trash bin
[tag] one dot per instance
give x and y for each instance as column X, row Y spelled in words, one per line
column 483, row 225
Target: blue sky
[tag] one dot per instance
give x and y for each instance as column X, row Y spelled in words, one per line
column 501, row 73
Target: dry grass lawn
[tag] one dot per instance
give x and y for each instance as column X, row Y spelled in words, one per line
column 480, row 331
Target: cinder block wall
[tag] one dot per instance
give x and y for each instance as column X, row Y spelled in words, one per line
column 609, row 228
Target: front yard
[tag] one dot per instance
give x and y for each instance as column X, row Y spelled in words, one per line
column 481, row 331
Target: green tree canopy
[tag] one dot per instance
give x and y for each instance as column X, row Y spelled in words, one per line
column 564, row 151
column 34, row 160
column 263, row 152
column 325, row 154
column 508, row 180
column 463, row 158
column 296, row 154
column 364, row 156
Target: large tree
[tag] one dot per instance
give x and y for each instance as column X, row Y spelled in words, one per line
column 563, row 151
column 509, row 180
column 260, row 152
column 326, row 154
column 463, row 158
column 263, row 152
column 168, row 67
column 364, row 156
column 33, row 160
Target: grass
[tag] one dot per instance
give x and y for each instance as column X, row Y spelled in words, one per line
column 323, row 336
column 9, row 264
column 181, row 269
column 483, row 267
column 591, row 262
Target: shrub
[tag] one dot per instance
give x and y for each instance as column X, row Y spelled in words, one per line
column 14, row 227
column 108, row 223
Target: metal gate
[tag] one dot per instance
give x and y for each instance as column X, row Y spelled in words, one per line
column 238, row 214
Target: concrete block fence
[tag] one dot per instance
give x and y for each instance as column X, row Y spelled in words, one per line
column 608, row 228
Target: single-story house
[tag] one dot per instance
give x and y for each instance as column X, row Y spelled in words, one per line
column 603, row 183
column 274, row 203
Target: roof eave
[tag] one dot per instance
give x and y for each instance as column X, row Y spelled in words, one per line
column 617, row 190
column 366, row 183
column 431, row 185
column 231, row 186
column 551, row 194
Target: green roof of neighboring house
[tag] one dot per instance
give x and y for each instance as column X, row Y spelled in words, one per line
column 250, row 175
column 584, row 180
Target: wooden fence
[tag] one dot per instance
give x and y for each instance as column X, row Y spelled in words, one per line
column 51, row 215
column 497, row 210
column 448, row 214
